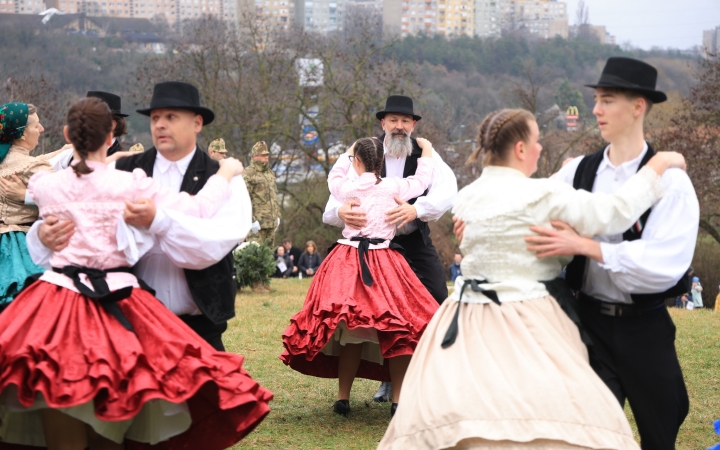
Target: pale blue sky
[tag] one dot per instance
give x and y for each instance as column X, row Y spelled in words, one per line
column 648, row 23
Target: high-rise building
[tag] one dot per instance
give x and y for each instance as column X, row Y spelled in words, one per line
column 711, row 42
column 456, row 17
column 408, row 17
column 280, row 13
column 544, row 18
column 22, row 6
column 321, row 16
column 488, row 18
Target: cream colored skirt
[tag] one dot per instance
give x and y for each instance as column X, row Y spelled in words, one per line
column 516, row 377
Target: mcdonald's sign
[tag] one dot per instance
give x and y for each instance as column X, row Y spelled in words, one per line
column 571, row 116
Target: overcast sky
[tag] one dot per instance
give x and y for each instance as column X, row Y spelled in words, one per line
column 648, row 23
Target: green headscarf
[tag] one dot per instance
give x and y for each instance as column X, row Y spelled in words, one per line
column 13, row 119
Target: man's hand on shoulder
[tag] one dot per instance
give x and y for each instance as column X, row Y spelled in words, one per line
column 352, row 218
column 55, row 234
column 140, row 214
column 403, row 214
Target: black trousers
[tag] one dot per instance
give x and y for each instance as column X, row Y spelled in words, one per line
column 206, row 329
column 426, row 262
column 636, row 358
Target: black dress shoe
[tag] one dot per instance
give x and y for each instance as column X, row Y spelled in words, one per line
column 342, row 407
column 393, row 408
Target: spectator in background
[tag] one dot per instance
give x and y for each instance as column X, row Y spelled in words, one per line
column 455, row 270
column 294, row 253
column 310, row 260
column 717, row 300
column 283, row 264
column 696, row 292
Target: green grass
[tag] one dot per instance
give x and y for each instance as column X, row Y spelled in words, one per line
column 302, row 416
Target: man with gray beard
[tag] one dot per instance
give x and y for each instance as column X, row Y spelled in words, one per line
column 411, row 218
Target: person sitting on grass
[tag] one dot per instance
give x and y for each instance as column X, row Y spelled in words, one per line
column 309, row 260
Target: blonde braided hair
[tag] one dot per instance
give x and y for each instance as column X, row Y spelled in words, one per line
column 498, row 131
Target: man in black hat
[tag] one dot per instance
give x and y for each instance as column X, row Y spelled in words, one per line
column 398, row 121
column 190, row 266
column 623, row 280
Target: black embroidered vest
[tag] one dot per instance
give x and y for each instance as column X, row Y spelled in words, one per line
column 411, row 163
column 213, row 288
column 585, row 179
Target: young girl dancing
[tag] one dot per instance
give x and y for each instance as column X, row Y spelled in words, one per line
column 365, row 304
column 88, row 357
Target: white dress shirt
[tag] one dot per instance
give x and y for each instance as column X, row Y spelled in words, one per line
column 655, row 262
column 439, row 199
column 181, row 241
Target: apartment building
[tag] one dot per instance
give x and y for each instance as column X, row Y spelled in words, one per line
column 280, row 13
column 456, row 17
column 711, row 43
column 544, row 18
column 488, row 18
column 22, row 6
column 321, row 16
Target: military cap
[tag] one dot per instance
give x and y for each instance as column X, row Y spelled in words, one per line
column 218, row 145
column 260, row 148
column 138, row 148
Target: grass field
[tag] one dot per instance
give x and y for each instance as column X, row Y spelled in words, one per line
column 302, row 416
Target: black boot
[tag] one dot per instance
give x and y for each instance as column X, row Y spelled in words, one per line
column 393, row 408
column 342, row 407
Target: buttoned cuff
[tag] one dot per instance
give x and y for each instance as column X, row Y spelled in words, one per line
column 161, row 223
column 617, row 257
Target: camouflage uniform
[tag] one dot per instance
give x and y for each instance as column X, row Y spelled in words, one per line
column 217, row 146
column 261, row 186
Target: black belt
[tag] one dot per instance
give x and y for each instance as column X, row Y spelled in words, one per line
column 364, row 246
column 452, row 330
column 617, row 309
column 101, row 293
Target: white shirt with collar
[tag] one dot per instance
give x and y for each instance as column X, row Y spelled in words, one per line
column 181, row 241
column 439, row 199
column 656, row 261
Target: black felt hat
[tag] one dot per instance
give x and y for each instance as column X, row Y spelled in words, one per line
column 112, row 100
column 178, row 95
column 632, row 75
column 398, row 104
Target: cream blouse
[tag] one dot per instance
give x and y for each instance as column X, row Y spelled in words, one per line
column 17, row 216
column 499, row 207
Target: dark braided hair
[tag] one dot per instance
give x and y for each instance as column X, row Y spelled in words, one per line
column 499, row 131
column 89, row 122
column 370, row 152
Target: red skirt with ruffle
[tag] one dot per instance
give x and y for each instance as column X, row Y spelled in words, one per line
column 397, row 305
column 57, row 342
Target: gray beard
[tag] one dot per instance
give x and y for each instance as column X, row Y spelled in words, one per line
column 398, row 146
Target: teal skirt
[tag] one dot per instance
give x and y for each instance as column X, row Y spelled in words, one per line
column 15, row 265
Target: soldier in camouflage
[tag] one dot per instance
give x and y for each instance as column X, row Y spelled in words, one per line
column 216, row 149
column 261, row 186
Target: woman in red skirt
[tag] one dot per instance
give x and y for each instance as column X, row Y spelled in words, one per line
column 88, row 356
column 366, row 309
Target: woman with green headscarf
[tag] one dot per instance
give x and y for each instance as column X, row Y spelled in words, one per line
column 20, row 130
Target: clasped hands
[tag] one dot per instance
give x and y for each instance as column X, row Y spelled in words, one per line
column 400, row 216
column 55, row 234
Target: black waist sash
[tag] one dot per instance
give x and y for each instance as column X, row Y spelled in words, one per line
column 101, row 293
column 364, row 246
column 452, row 330
column 557, row 288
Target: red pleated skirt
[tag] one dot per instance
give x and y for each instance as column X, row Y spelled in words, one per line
column 397, row 305
column 58, row 343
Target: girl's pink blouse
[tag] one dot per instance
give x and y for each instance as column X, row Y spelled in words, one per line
column 95, row 203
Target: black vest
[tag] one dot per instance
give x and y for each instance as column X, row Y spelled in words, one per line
column 575, row 272
column 411, row 163
column 213, row 288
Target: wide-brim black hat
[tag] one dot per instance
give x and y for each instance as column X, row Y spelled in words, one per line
column 632, row 75
column 178, row 95
column 112, row 100
column 398, row 104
